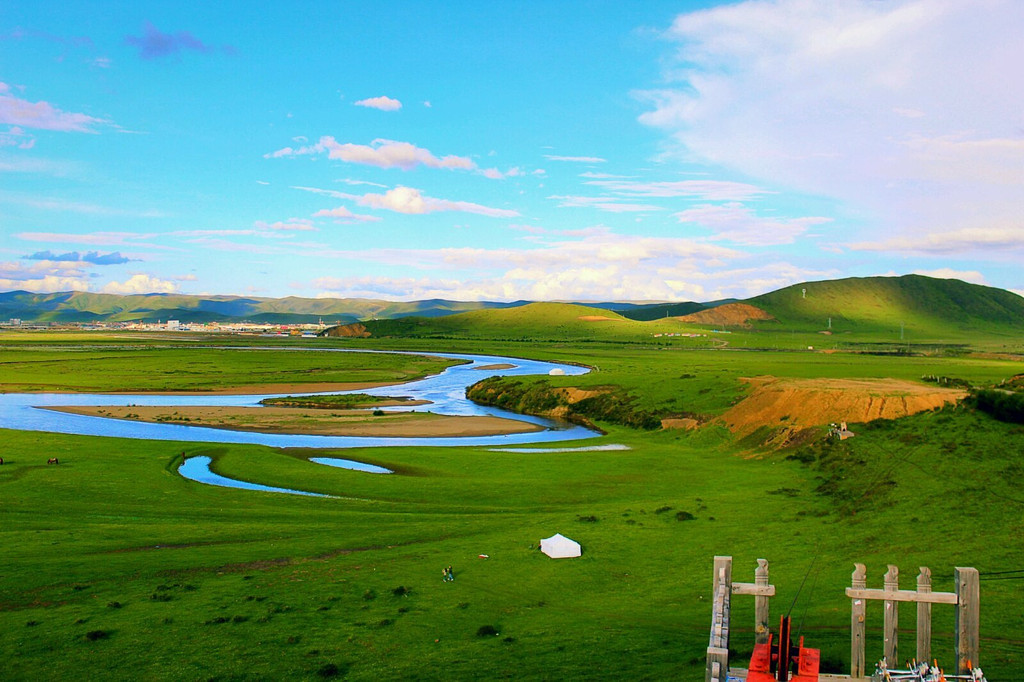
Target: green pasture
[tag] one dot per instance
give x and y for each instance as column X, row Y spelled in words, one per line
column 143, row 364
column 116, row 568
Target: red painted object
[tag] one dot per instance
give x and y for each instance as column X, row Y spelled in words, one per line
column 764, row 662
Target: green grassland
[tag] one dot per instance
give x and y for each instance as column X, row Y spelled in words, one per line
column 30, row 363
column 116, row 568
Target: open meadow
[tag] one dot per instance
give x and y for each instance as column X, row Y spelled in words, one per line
column 115, row 567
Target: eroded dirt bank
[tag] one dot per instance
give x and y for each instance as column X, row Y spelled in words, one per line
column 803, row 403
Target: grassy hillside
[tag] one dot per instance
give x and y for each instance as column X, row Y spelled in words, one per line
column 924, row 306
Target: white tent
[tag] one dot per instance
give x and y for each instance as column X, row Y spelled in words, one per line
column 560, row 547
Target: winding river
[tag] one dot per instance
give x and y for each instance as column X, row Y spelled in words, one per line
column 445, row 391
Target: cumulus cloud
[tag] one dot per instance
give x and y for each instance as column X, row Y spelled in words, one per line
column 43, row 277
column 906, row 111
column 383, row 103
column 155, row 44
column 411, row 201
column 42, row 115
column 94, row 257
column 599, row 266
column 972, row 276
column 740, row 224
column 141, row 284
column 380, row 153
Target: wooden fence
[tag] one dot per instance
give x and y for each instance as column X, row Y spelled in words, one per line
column 965, row 598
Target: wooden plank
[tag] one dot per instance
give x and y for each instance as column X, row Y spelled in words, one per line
column 902, row 595
column 717, row 664
column 967, row 618
column 858, row 611
column 924, row 616
column 891, row 630
column 754, row 589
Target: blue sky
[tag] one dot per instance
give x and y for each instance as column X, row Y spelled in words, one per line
column 514, row 150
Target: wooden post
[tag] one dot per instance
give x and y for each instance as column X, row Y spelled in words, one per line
column 968, row 594
column 761, row 603
column 892, row 617
column 717, row 668
column 857, row 613
column 924, row 617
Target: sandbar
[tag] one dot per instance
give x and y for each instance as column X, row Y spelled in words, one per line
column 318, row 422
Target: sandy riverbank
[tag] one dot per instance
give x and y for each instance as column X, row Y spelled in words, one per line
column 313, row 421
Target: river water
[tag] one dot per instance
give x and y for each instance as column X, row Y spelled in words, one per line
column 445, row 391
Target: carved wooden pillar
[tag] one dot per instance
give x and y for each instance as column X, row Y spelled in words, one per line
column 892, row 617
column 761, row 603
column 924, row 616
column 857, row 612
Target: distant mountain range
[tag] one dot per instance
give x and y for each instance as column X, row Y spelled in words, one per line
column 77, row 306
column 861, row 302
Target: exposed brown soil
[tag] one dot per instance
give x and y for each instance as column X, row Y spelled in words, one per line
column 574, row 395
column 801, row 403
column 313, row 421
column 594, row 318
column 680, row 423
column 728, row 315
column 503, row 365
column 355, row 330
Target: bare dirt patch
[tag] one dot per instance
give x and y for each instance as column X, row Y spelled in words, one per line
column 594, row 318
column 314, row 421
column 802, row 403
column 728, row 315
column 501, row 365
column 355, row 330
column 680, row 423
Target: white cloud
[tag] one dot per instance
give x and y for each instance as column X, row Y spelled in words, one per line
column 609, row 204
column 710, row 190
column 42, row 115
column 739, row 224
column 290, row 225
column 907, row 111
column 141, row 284
column 972, row 276
column 94, row 238
column 998, row 240
column 344, row 215
column 412, row 201
column 383, row 103
column 576, row 159
column 380, row 153
column 46, row 284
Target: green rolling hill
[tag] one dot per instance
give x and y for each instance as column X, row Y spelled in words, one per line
column 925, row 305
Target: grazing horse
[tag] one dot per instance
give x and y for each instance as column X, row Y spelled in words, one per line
column 53, row 460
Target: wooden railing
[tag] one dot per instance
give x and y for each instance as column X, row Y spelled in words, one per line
column 965, row 598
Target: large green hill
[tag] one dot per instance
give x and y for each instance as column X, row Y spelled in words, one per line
column 885, row 305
